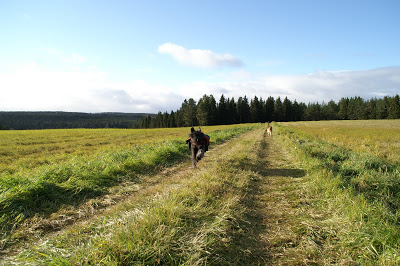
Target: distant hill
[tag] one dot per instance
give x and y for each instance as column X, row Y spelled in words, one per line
column 58, row 120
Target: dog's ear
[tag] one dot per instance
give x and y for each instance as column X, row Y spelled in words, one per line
column 192, row 129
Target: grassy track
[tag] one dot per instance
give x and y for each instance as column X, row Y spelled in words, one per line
column 39, row 192
column 359, row 189
column 296, row 198
column 244, row 205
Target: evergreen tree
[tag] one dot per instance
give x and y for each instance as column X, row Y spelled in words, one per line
column 371, row 108
column 269, row 109
column 165, row 119
column 330, row 110
column 360, row 108
column 206, row 111
column 287, row 106
column 243, row 110
column 394, row 108
column 189, row 111
column 313, row 112
column 255, row 110
column 232, row 113
column 222, row 111
column 172, row 120
column 343, row 113
column 278, row 110
column 381, row 109
column 213, row 110
column 179, row 118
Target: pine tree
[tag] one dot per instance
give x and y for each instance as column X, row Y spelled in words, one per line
column 278, row 110
column 189, row 112
column 269, row 109
column 287, row 110
column 222, row 111
column 394, row 108
column 243, row 110
column 255, row 110
column 343, row 112
column 231, row 110
column 381, row 109
column 207, row 111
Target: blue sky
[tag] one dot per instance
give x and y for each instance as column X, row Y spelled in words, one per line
column 148, row 56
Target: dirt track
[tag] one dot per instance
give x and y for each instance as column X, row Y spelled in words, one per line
column 276, row 207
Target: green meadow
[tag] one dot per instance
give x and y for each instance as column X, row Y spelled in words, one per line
column 314, row 193
column 354, row 170
column 44, row 171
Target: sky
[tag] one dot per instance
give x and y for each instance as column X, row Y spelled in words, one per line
column 148, row 56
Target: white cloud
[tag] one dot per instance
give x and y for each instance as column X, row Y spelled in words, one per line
column 197, row 57
column 72, row 58
column 32, row 87
column 318, row 86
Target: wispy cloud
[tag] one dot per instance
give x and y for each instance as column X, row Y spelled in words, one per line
column 314, row 87
column 197, row 57
column 72, row 58
column 32, row 87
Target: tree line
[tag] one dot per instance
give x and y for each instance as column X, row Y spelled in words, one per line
column 58, row 120
column 207, row 111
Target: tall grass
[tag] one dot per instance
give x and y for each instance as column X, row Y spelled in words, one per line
column 380, row 138
column 45, row 189
column 187, row 226
column 27, row 149
column 360, row 190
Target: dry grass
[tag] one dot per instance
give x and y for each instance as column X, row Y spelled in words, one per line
column 27, row 149
column 357, row 186
column 380, row 138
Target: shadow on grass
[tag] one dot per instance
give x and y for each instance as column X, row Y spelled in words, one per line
column 45, row 198
column 285, row 172
column 248, row 245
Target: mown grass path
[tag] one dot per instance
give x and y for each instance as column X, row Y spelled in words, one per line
column 267, row 218
column 281, row 226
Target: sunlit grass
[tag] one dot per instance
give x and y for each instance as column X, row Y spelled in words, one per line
column 380, row 138
column 27, row 149
column 359, row 187
column 44, row 189
column 186, row 226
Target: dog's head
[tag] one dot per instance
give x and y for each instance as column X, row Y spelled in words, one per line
column 197, row 137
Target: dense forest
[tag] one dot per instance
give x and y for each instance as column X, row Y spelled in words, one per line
column 207, row 111
column 55, row 120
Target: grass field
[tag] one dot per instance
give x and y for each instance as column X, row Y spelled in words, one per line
column 314, row 193
column 380, row 138
column 27, row 149
column 44, row 171
column 355, row 176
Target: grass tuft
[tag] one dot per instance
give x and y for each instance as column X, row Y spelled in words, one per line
column 360, row 190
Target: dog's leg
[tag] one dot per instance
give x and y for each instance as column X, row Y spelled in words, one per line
column 200, row 153
column 193, row 157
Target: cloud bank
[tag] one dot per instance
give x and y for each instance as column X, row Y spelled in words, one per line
column 34, row 88
column 314, row 87
column 197, row 57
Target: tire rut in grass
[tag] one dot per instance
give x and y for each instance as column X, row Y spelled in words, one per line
column 36, row 232
column 280, row 226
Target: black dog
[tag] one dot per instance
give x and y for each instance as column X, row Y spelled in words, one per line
column 198, row 144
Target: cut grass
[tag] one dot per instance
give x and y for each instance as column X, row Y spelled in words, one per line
column 27, row 149
column 379, row 138
column 189, row 225
column 359, row 190
column 44, row 190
